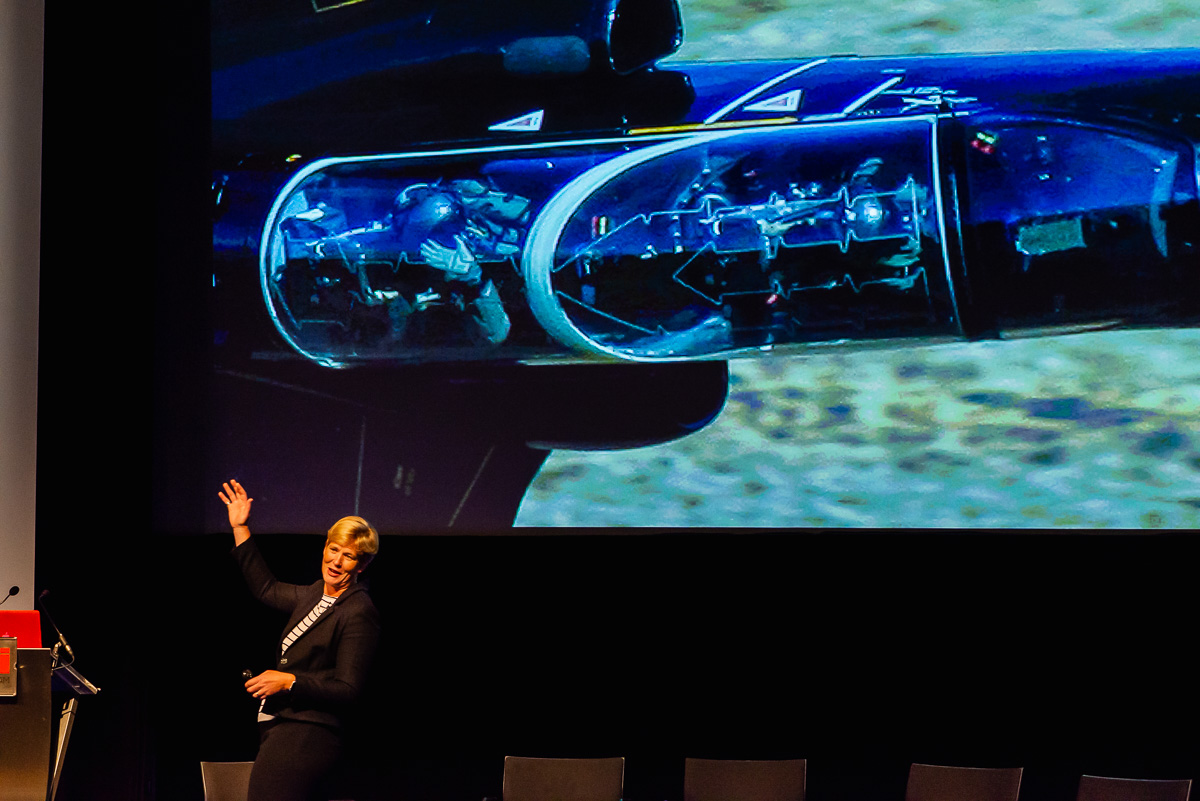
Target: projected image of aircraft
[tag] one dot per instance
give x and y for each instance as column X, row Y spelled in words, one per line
column 522, row 201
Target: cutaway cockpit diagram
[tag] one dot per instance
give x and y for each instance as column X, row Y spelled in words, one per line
column 698, row 246
column 718, row 234
column 689, row 248
column 736, row 243
column 425, row 267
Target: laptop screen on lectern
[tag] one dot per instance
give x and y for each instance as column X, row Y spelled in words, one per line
column 25, row 625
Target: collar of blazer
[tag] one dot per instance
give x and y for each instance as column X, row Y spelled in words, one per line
column 311, row 596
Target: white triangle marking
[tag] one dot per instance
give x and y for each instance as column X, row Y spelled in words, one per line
column 528, row 122
column 789, row 101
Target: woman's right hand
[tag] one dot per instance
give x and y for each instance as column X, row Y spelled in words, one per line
column 237, row 503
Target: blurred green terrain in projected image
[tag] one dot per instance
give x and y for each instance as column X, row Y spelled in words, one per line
column 1098, row 430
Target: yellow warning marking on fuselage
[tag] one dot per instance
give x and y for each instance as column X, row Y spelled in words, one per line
column 321, row 6
column 700, row 126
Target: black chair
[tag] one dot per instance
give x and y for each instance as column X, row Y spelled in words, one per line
column 225, row 781
column 947, row 783
column 563, row 779
column 743, row 779
column 1103, row 788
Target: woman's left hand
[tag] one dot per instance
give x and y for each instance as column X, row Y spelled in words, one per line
column 269, row 682
column 237, row 502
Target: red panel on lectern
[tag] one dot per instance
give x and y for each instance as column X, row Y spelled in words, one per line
column 24, row 624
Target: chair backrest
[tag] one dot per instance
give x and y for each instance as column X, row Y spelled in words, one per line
column 226, row 781
column 555, row 779
column 743, row 779
column 946, row 783
column 1103, row 788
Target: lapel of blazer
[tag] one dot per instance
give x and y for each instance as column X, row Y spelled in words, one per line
column 309, row 599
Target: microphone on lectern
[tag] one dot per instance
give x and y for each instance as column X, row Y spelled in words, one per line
column 13, row 590
column 62, row 640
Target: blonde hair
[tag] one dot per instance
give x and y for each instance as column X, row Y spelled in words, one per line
column 358, row 534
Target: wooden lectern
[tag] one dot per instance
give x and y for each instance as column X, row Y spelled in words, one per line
column 25, row 727
column 30, row 766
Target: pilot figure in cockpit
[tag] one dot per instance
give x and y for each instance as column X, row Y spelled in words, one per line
column 453, row 228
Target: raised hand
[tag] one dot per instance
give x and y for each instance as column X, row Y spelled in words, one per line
column 237, row 503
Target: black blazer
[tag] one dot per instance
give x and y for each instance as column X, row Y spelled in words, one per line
column 332, row 658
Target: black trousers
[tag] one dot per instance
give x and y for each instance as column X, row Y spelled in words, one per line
column 294, row 761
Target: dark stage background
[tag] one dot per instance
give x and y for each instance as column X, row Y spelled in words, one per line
column 861, row 652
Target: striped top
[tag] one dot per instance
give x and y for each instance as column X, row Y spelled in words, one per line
column 295, row 634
